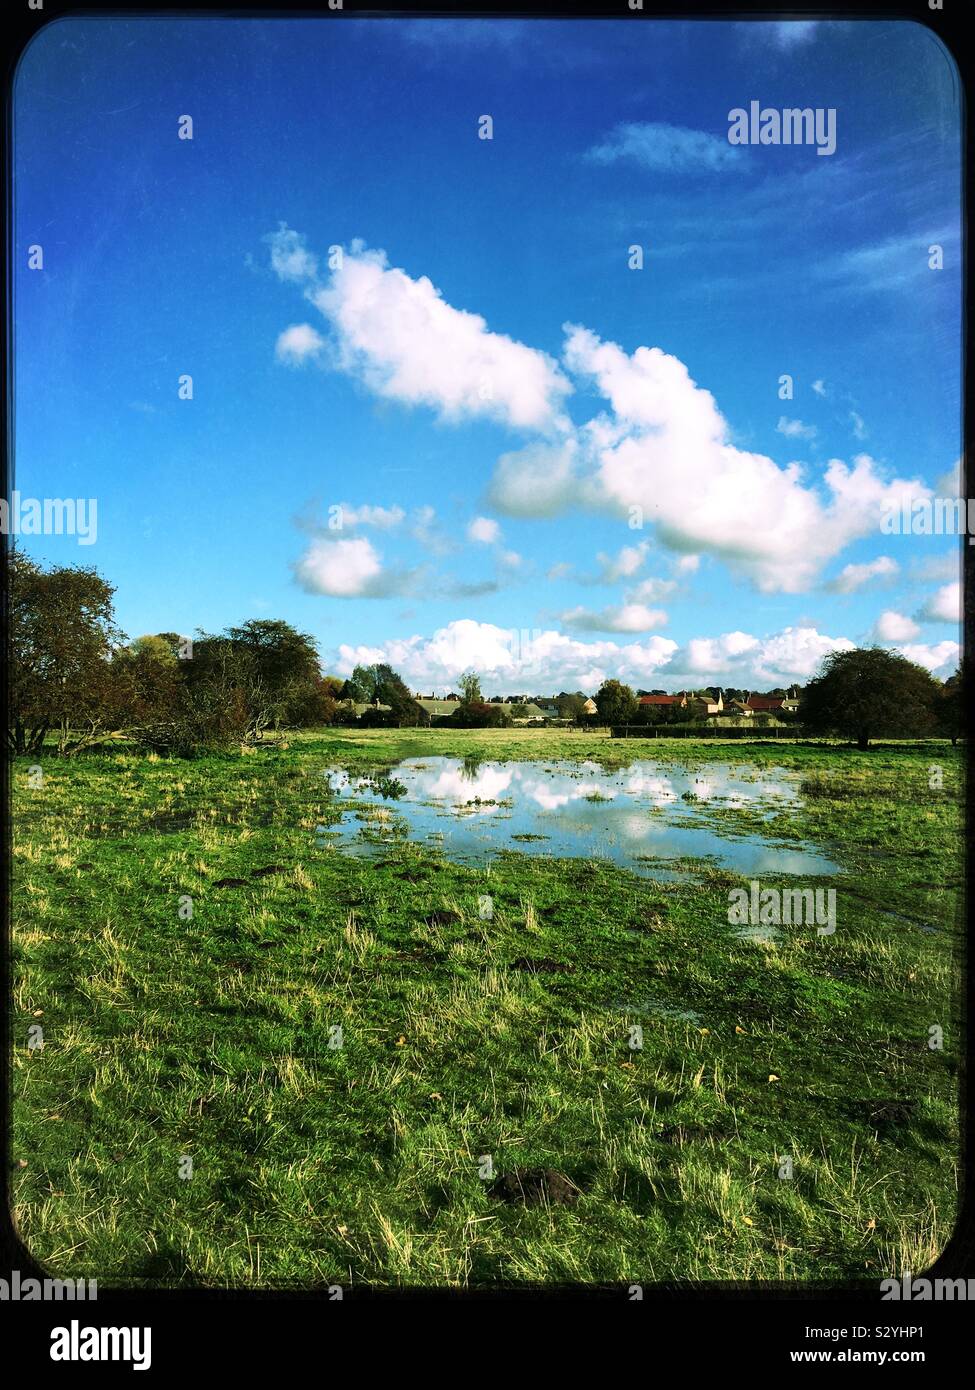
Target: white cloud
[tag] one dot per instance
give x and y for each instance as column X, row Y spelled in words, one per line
column 715, row 655
column 944, row 606
column 538, row 481
column 895, row 627
column 791, row 33
column 624, row 565
column 652, row 590
column 297, row 343
column 505, row 660
column 552, row 661
column 425, row 528
column 484, row 530
column 349, row 568
column 937, row 567
column 290, row 259
column 897, row 262
column 668, row 148
column 819, row 387
column 628, row 617
column 854, row 577
column 383, row 518
column 401, row 338
column 949, row 484
column 665, row 450
column 795, row 429
column 794, row 654
column 942, row 657
column 858, row 426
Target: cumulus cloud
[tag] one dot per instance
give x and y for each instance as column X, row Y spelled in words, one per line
column 506, row 658
column 949, row 484
column 662, row 449
column 623, row 565
column 940, row 658
column 290, row 258
column 538, row 481
column 795, row 429
column 795, row 654
column 944, row 606
column 628, row 617
column 484, row 530
column 548, row 660
column 652, row 590
column 665, row 450
column 298, row 343
column 401, row 338
column 425, row 528
column 668, row 149
column 350, row 568
column 854, row 577
column 895, row 627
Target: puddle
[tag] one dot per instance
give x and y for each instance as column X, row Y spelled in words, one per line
column 652, row 1008
column 635, row 816
column 759, row 935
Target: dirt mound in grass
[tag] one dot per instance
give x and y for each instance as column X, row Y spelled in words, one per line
column 535, row 1187
column 442, row 917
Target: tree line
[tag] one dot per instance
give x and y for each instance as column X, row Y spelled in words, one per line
column 74, row 679
column 863, row 694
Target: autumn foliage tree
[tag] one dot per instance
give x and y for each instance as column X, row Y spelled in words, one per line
column 73, row 677
column 61, row 635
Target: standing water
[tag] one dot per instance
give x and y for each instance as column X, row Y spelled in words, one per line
column 636, row 816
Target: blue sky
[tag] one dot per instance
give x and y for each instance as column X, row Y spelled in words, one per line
column 546, row 465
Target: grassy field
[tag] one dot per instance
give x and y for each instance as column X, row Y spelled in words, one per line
column 168, row 1037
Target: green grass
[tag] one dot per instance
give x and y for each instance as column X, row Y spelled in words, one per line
column 208, row 1037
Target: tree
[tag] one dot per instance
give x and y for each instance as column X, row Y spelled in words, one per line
column 223, row 674
column 61, row 636
column 479, row 715
column 571, row 705
column 71, row 672
column 284, row 663
column 156, row 648
column 871, row 693
column 370, row 685
column 616, row 703
column 951, row 708
column 470, row 689
column 360, row 687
